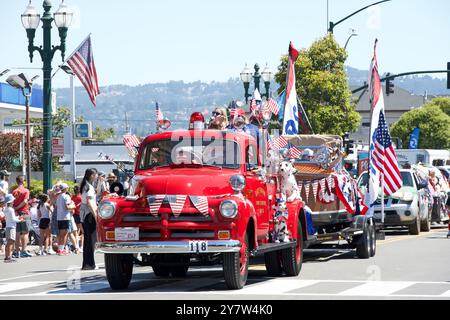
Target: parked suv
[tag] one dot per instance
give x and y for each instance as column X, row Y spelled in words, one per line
column 410, row 206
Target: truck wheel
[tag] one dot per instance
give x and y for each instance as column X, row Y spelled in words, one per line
column 119, row 268
column 292, row 258
column 426, row 226
column 273, row 263
column 363, row 246
column 373, row 240
column 160, row 271
column 414, row 229
column 179, row 271
column 235, row 266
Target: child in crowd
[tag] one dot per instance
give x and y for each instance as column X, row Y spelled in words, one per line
column 76, row 198
column 44, row 215
column 64, row 205
column 11, row 221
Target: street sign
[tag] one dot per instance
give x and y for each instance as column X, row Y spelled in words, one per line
column 82, row 130
column 58, row 147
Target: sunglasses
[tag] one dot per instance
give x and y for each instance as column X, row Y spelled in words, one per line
column 215, row 113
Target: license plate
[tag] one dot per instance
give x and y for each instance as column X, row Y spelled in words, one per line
column 198, row 246
column 127, row 234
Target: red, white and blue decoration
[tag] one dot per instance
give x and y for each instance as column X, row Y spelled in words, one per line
column 155, row 201
column 290, row 118
column 176, row 203
column 278, row 143
column 272, row 106
column 294, row 152
column 82, row 64
column 348, row 193
column 201, row 203
column 383, row 164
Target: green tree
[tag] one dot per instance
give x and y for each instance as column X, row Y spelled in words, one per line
column 102, row 134
column 434, row 123
column 59, row 121
column 321, row 83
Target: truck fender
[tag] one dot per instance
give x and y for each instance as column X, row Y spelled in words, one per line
column 247, row 223
column 294, row 208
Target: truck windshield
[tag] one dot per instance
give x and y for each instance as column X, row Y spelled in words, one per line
column 407, row 179
column 219, row 153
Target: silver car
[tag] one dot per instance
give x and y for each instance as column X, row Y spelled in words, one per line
column 410, row 206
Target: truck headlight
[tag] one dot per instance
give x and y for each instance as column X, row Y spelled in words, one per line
column 106, row 210
column 237, row 183
column 228, row 208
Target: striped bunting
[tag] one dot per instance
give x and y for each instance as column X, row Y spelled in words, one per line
column 201, row 203
column 176, row 203
column 155, row 201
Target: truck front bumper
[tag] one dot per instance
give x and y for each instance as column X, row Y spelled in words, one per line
column 214, row 246
column 397, row 214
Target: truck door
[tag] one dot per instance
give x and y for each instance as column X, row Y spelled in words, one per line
column 256, row 191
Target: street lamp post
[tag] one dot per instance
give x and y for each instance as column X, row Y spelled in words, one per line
column 352, row 34
column 333, row 24
column 22, row 82
column 30, row 20
column 246, row 76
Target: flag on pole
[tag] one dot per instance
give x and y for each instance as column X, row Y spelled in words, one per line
column 159, row 114
column 82, row 64
column 294, row 152
column 272, row 106
column 382, row 157
column 290, row 119
column 278, row 143
column 131, row 142
column 414, row 139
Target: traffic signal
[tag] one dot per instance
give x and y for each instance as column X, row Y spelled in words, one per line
column 348, row 144
column 448, row 75
column 389, row 84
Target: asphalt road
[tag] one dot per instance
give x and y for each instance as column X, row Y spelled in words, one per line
column 405, row 267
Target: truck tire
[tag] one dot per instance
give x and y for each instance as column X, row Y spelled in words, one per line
column 235, row 267
column 160, row 271
column 292, row 258
column 414, row 228
column 363, row 247
column 119, row 269
column 373, row 240
column 426, row 225
column 273, row 263
column 179, row 271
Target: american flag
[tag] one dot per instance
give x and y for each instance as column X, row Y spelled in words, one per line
column 82, row 64
column 383, row 164
column 278, row 143
column 155, row 202
column 131, row 143
column 159, row 114
column 272, row 105
column 201, row 203
column 176, row 202
column 384, row 158
column 294, row 152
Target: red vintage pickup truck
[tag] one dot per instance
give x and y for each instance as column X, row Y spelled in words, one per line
column 198, row 197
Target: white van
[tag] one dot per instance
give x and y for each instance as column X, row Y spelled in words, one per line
column 429, row 157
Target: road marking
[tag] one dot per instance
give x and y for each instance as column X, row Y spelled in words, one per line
column 14, row 286
column 377, row 288
column 50, row 272
column 407, row 237
column 274, row 286
column 445, row 294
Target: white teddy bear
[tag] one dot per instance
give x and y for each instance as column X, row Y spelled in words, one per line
column 289, row 187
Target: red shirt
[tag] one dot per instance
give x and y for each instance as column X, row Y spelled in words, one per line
column 20, row 194
column 77, row 201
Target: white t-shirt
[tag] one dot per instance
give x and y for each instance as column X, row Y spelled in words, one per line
column 88, row 191
column 10, row 217
column 4, row 186
column 62, row 212
column 45, row 212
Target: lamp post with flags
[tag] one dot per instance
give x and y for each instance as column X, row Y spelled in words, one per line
column 246, row 76
column 30, row 20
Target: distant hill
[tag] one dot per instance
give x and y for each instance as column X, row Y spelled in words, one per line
column 178, row 100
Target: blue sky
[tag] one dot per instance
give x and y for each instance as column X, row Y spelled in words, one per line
column 139, row 41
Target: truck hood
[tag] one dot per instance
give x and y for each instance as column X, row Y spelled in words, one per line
column 399, row 194
column 189, row 181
